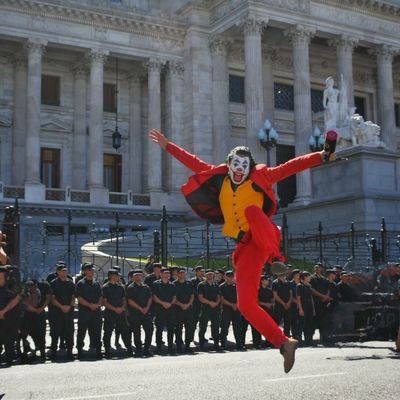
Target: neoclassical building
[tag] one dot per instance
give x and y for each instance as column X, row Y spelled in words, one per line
column 207, row 73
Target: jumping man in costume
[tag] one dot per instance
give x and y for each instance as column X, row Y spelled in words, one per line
column 238, row 194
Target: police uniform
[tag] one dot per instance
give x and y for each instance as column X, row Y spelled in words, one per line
column 283, row 290
column 164, row 318
column 294, row 312
column 319, row 283
column 63, row 323
column 89, row 320
column 229, row 315
column 303, row 291
column 210, row 291
column 7, row 326
column 140, row 294
column 31, row 321
column 196, row 303
column 45, row 300
column 265, row 295
column 185, row 292
column 114, row 294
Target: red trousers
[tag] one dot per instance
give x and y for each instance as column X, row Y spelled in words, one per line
column 259, row 245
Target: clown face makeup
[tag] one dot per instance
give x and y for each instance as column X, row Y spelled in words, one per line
column 239, row 169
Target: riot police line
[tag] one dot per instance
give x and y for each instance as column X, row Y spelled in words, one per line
column 157, row 299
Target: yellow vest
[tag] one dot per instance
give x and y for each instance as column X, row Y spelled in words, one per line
column 233, row 204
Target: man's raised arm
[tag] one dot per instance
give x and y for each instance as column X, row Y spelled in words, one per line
column 187, row 159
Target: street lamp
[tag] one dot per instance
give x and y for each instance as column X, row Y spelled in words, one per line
column 316, row 141
column 268, row 138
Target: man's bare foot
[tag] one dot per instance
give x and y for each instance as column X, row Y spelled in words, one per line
column 288, row 349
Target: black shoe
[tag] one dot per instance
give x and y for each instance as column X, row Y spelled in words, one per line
column 171, row 350
column 138, row 354
column 53, row 356
column 148, row 353
column 70, row 356
column 107, row 354
column 179, row 349
column 99, row 355
column 188, row 349
column 218, row 348
column 240, row 347
column 80, row 354
column 202, row 347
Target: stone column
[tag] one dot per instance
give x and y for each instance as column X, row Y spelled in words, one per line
column 96, row 136
column 154, row 183
column 269, row 55
column 79, row 138
column 19, row 122
column 175, row 171
column 344, row 52
column 253, row 84
column 384, row 67
column 300, row 37
column 220, row 98
column 35, row 49
column 135, row 132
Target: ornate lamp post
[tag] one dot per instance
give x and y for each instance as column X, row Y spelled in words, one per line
column 268, row 138
column 116, row 136
column 316, row 141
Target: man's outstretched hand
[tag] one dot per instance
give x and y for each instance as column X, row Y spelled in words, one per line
column 157, row 137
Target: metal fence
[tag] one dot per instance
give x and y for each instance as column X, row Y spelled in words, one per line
column 37, row 249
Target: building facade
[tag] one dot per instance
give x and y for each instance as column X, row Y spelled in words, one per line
column 207, row 73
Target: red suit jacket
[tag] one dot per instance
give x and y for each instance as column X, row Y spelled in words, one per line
column 202, row 189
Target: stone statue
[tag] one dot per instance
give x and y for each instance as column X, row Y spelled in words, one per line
column 353, row 130
column 330, row 103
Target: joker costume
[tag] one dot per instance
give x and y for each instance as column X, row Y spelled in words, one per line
column 239, row 196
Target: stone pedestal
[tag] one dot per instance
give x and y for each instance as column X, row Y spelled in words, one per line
column 363, row 188
column 99, row 196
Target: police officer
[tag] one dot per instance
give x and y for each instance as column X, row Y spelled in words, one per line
column 173, row 273
column 45, row 299
column 32, row 320
column 283, row 299
column 8, row 301
column 185, row 293
column 199, row 277
column 331, row 305
column 63, row 298
column 53, row 275
column 89, row 295
column 294, row 312
column 266, row 302
column 319, row 289
column 114, row 301
column 209, row 297
column 154, row 276
column 164, row 296
column 230, row 313
column 139, row 298
column 219, row 277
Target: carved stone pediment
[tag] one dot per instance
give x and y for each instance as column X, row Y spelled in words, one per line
column 55, row 126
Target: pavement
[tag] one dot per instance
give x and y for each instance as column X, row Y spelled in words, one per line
column 369, row 370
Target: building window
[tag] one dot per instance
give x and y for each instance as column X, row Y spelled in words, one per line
column 50, row 167
column 55, row 230
column 79, row 230
column 397, row 114
column 51, row 90
column 316, row 100
column 112, row 172
column 109, row 99
column 236, row 89
column 284, row 98
column 359, row 104
column 287, row 187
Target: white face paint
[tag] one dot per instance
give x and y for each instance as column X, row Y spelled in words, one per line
column 239, row 169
